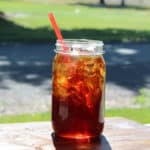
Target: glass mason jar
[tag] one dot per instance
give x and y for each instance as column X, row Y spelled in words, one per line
column 78, row 87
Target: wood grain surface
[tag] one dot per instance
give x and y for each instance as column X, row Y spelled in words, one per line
column 119, row 134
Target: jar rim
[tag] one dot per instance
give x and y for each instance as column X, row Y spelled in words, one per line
column 93, row 47
column 79, row 41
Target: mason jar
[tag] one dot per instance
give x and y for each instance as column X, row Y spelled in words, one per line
column 78, row 89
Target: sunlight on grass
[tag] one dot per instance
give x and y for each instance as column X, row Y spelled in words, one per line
column 143, row 99
column 71, row 16
column 27, row 21
column 25, row 118
column 141, row 115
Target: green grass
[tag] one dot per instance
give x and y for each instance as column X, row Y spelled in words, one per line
column 143, row 98
column 75, row 21
column 140, row 115
column 25, row 118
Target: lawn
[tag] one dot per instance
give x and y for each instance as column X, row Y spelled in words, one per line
column 140, row 115
column 27, row 21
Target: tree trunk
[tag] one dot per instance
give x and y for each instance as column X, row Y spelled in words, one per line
column 102, row 2
column 122, row 3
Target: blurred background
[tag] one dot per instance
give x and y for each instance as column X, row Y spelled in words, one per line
column 26, row 53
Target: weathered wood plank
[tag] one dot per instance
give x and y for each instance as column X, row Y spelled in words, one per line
column 119, row 134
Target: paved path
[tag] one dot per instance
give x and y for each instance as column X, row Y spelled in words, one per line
column 25, row 75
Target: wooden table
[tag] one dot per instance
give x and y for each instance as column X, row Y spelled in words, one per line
column 119, row 134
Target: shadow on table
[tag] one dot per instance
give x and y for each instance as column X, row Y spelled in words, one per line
column 99, row 143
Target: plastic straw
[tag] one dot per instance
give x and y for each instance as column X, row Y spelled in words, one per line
column 56, row 29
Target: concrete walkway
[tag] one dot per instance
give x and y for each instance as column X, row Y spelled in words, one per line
column 25, row 75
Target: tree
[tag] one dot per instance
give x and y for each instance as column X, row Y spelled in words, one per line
column 122, row 3
column 102, row 2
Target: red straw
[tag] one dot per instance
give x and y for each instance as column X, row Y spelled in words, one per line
column 56, row 29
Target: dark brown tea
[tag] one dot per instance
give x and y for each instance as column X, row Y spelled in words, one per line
column 78, row 95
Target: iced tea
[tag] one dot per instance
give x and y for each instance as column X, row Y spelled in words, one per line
column 78, row 92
